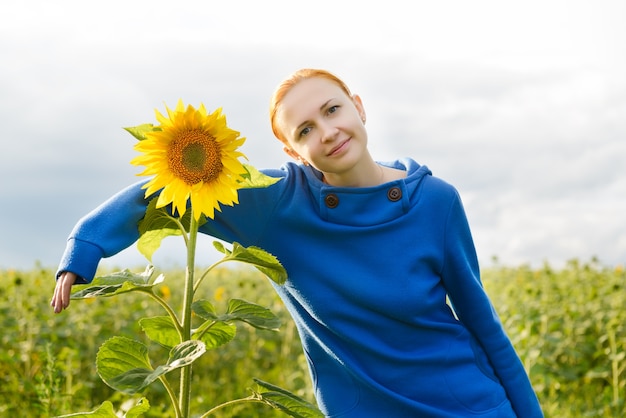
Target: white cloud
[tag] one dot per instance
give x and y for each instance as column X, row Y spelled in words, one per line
column 521, row 106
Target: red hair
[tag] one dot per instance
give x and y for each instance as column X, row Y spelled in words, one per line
column 285, row 86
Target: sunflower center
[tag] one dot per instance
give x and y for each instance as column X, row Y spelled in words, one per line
column 195, row 156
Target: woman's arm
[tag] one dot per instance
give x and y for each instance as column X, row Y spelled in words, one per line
column 103, row 232
column 113, row 227
column 474, row 309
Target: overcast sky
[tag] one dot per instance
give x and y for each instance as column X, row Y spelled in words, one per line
column 519, row 104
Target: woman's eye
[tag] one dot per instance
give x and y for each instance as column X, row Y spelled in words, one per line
column 333, row 109
column 305, row 132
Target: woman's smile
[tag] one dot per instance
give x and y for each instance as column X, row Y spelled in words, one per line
column 339, row 148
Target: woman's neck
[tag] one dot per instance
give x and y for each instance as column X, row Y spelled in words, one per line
column 366, row 175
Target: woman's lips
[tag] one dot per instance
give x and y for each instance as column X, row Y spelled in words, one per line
column 339, row 147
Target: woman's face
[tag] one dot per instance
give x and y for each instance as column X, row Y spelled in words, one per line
column 323, row 125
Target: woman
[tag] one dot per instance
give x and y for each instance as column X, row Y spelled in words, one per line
column 372, row 251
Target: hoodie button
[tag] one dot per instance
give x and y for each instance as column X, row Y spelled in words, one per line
column 331, row 200
column 394, row 194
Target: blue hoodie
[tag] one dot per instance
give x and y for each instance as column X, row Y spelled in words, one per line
column 370, row 273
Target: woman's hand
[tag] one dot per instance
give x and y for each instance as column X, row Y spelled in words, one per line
column 61, row 297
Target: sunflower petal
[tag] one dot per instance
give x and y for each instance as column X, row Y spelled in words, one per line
column 193, row 156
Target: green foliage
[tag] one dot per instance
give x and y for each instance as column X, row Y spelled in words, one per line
column 47, row 361
column 254, row 178
column 239, row 310
column 158, row 224
column 568, row 325
column 125, row 364
column 116, row 283
column 260, row 259
column 139, row 131
column 106, row 411
column 286, row 401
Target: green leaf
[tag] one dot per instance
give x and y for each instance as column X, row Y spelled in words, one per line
column 161, row 329
column 204, row 309
column 253, row 314
column 184, row 354
column 157, row 224
column 117, row 283
column 287, row 402
column 265, row 262
column 238, row 310
column 154, row 227
column 255, row 179
column 140, row 131
column 214, row 334
column 138, row 410
column 126, row 276
column 105, row 410
column 123, row 363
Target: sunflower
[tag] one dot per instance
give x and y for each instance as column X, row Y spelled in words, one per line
column 192, row 156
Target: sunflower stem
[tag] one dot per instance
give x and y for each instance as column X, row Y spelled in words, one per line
column 185, row 375
column 206, row 272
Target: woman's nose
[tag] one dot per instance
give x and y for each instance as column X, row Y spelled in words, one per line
column 329, row 132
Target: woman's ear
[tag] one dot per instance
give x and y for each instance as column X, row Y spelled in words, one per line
column 356, row 99
column 290, row 152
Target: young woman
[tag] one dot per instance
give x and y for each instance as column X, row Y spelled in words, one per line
column 372, row 251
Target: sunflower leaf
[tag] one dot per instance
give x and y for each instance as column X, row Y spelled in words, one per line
column 287, row 402
column 116, row 283
column 238, row 310
column 254, row 179
column 139, row 131
column 204, row 309
column 123, row 363
column 161, row 329
column 139, row 409
column 265, row 262
column 155, row 226
column 105, row 410
column 214, row 334
column 253, row 314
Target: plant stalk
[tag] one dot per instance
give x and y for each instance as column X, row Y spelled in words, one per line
column 169, row 311
column 185, row 374
column 251, row 398
column 171, row 394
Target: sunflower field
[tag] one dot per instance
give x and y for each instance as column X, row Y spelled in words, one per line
column 568, row 325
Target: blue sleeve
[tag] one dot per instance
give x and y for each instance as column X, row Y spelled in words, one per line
column 474, row 309
column 103, row 232
column 246, row 222
column 113, row 226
